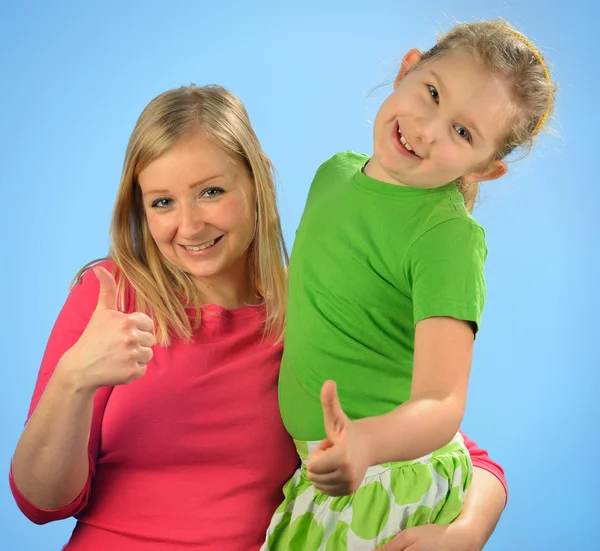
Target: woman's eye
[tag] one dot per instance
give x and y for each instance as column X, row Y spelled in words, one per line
column 462, row 132
column 212, row 192
column 162, row 203
column 434, row 93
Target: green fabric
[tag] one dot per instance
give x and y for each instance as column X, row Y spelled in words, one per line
column 391, row 498
column 369, row 261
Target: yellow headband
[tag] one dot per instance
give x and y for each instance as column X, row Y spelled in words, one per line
column 540, row 60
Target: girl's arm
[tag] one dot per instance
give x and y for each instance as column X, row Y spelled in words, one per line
column 426, row 422
column 432, row 416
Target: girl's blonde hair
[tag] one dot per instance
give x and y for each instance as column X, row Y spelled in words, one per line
column 510, row 55
column 162, row 290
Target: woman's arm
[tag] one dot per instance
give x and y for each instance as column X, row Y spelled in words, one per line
column 470, row 531
column 481, row 460
column 482, row 510
column 52, row 463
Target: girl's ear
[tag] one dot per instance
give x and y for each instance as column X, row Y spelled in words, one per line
column 408, row 62
column 493, row 171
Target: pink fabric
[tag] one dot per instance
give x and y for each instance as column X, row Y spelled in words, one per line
column 194, row 454
column 481, row 459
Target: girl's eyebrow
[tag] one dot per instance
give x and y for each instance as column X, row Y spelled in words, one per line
column 468, row 121
column 440, row 82
column 473, row 127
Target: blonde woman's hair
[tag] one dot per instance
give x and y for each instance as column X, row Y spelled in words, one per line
column 510, row 55
column 162, row 290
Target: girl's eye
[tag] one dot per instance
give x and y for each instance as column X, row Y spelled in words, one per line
column 462, row 132
column 212, row 192
column 162, row 203
column 434, row 93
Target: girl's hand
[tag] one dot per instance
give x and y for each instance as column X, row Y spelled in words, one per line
column 114, row 347
column 338, row 465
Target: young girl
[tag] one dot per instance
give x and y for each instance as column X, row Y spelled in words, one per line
column 386, row 291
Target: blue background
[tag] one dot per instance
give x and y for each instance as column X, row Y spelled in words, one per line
column 74, row 80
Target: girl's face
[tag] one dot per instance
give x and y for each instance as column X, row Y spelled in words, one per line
column 200, row 206
column 444, row 121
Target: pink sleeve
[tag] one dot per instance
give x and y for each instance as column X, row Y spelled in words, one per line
column 69, row 326
column 481, row 459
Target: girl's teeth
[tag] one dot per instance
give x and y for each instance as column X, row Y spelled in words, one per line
column 201, row 247
column 405, row 143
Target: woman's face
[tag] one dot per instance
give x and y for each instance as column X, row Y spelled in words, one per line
column 200, row 204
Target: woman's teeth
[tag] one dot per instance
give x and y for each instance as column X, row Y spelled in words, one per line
column 201, row 247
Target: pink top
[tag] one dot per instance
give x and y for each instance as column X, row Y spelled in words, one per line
column 192, row 455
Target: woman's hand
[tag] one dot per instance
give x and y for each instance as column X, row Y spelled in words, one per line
column 432, row 537
column 114, row 348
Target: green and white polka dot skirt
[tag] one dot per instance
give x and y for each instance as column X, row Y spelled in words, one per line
column 392, row 497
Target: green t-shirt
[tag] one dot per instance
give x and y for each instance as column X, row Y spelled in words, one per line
column 369, row 261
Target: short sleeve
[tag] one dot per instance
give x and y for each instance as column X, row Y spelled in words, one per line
column 445, row 271
column 481, row 460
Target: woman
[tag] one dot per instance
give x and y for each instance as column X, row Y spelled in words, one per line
column 155, row 420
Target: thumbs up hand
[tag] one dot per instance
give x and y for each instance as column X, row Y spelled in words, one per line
column 338, row 465
column 107, row 297
column 114, row 347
